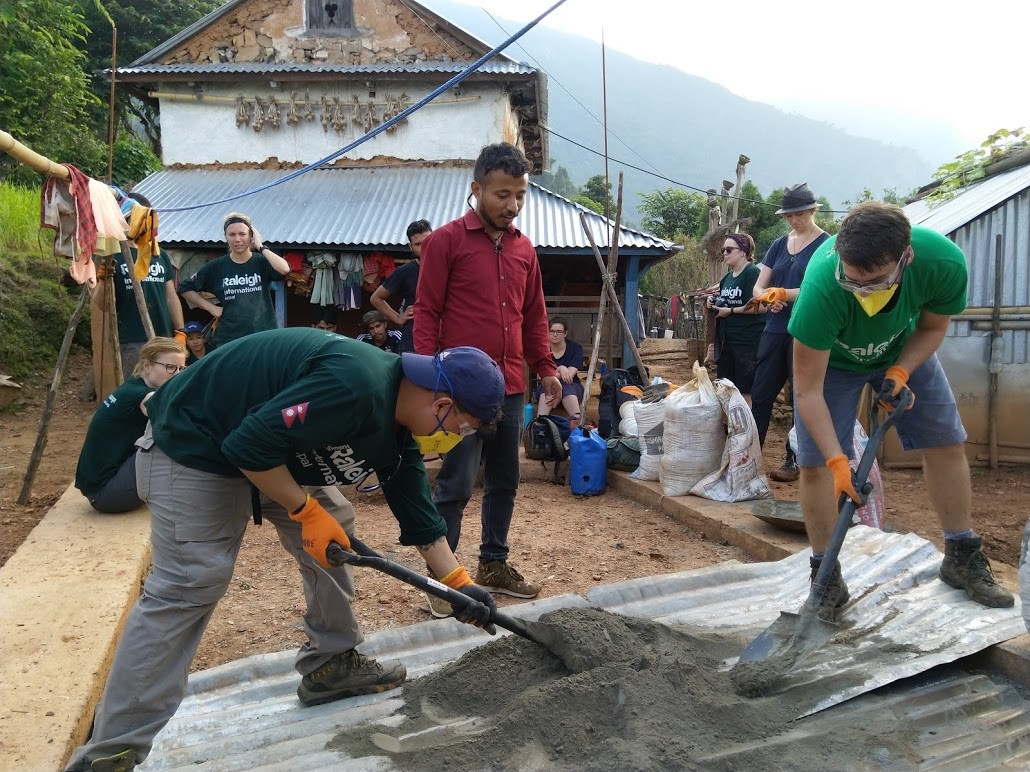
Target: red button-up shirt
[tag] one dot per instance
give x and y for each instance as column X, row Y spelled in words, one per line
column 472, row 292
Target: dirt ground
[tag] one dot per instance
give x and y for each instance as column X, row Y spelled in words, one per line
column 566, row 542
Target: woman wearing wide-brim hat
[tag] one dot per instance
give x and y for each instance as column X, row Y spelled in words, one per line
column 782, row 269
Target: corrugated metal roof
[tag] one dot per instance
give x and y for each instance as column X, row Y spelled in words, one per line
column 362, row 207
column 492, row 68
column 156, row 53
column 970, row 202
column 245, row 715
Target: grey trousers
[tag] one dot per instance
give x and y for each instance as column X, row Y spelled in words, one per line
column 119, row 493
column 197, row 525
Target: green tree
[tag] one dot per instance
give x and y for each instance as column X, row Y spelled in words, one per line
column 683, row 272
column 589, row 203
column 596, row 189
column 557, row 181
column 673, row 211
column 45, row 100
column 141, row 28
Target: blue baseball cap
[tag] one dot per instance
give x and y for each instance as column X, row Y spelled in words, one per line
column 193, row 327
column 464, row 372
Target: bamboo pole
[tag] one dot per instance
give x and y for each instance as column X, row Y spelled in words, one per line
column 614, row 298
column 137, row 291
column 31, row 158
column 51, row 398
column 602, row 305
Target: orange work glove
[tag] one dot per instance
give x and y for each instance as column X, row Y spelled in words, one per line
column 480, row 616
column 180, row 336
column 895, row 380
column 843, row 479
column 317, row 529
column 773, row 295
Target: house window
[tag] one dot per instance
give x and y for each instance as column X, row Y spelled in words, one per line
column 330, row 15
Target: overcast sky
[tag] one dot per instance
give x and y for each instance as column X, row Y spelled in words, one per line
column 927, row 60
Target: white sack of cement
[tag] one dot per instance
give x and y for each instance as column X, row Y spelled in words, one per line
column 650, row 418
column 738, row 476
column 694, row 434
column 628, row 424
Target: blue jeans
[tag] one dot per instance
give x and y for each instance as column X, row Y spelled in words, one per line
column 500, row 457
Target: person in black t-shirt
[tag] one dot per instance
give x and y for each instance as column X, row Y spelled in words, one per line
column 403, row 283
column 376, row 333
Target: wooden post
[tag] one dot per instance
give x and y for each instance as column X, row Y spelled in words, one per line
column 602, row 305
column 996, row 356
column 51, row 398
column 137, row 291
column 614, row 298
column 742, row 161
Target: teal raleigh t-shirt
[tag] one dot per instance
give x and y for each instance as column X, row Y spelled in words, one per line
column 244, row 291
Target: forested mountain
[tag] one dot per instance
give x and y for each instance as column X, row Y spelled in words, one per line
column 687, row 128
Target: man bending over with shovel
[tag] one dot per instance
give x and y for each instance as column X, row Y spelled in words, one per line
column 268, row 414
column 875, row 305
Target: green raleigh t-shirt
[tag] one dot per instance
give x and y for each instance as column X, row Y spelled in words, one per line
column 111, row 436
column 828, row 318
column 244, row 291
column 318, row 403
column 736, row 291
column 154, row 285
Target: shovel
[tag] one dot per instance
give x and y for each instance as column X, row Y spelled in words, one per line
column 363, row 555
column 793, row 635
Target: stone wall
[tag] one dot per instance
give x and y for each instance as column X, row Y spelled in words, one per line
column 273, row 31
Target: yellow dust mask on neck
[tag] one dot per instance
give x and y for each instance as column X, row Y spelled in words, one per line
column 874, row 302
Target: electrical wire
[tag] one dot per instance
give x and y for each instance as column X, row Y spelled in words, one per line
column 383, row 126
column 574, row 98
column 628, row 165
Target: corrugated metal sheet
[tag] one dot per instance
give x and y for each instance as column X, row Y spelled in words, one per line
column 245, row 715
column 973, row 219
column 971, row 202
column 362, row 207
column 279, row 68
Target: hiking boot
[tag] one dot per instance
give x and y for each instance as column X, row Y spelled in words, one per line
column 120, row 762
column 966, row 568
column 348, row 675
column 789, row 472
column 836, row 594
column 438, row 607
column 500, row 576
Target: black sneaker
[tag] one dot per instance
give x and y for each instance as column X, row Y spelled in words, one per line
column 789, row 472
column 348, row 675
column 965, row 567
column 836, row 594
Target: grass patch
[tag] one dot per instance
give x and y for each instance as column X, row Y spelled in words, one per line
column 19, row 221
column 35, row 306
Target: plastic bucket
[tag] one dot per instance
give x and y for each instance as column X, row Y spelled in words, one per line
column 588, row 464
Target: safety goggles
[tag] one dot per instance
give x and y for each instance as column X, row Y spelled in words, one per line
column 872, row 286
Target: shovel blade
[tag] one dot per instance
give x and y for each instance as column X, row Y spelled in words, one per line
column 790, row 636
column 772, row 639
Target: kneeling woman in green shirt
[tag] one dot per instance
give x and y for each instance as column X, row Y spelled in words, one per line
column 106, row 472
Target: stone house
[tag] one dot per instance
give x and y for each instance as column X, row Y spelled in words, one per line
column 261, row 87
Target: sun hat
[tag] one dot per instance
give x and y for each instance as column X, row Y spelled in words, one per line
column 471, row 377
column 797, row 198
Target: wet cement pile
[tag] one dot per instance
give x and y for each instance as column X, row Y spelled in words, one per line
column 624, row 694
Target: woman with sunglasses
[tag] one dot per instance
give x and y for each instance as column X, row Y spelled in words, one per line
column 106, row 472
column 739, row 323
column 778, row 284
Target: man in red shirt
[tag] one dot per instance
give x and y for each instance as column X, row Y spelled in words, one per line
column 479, row 285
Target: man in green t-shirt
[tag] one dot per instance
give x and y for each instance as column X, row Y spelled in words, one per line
column 273, row 412
column 875, row 305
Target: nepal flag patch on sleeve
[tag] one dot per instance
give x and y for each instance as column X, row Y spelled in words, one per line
column 295, row 413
